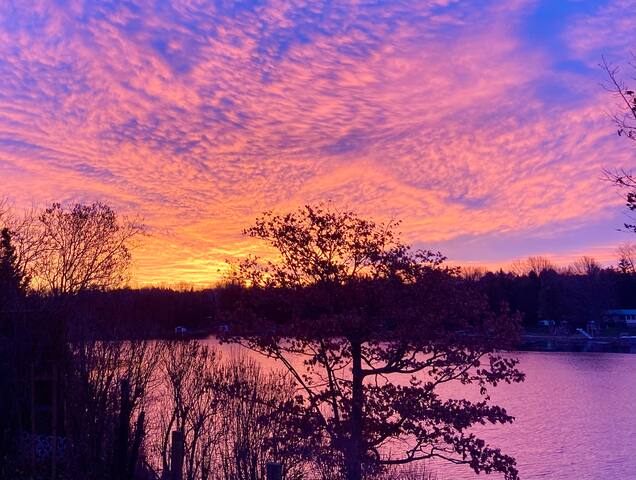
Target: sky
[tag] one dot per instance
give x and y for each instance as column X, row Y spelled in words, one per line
column 482, row 125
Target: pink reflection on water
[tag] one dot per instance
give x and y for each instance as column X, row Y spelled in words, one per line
column 575, row 416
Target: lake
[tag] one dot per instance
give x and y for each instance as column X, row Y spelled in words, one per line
column 575, row 418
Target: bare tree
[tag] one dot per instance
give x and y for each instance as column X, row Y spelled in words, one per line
column 231, row 413
column 586, row 266
column 83, row 247
column 626, row 182
column 473, row 273
column 4, row 211
column 255, row 418
column 627, row 257
column 188, row 404
column 98, row 372
column 625, row 119
column 534, row 264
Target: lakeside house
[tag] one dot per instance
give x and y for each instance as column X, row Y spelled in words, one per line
column 180, row 330
column 620, row 317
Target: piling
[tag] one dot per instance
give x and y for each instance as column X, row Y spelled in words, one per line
column 274, row 471
column 176, row 459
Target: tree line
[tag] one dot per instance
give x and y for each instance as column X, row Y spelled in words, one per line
column 82, row 253
column 574, row 295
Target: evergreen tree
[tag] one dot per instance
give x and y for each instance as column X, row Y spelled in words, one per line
column 13, row 281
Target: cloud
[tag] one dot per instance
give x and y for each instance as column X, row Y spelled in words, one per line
column 198, row 115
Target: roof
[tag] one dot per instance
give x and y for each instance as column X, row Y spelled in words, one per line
column 621, row 311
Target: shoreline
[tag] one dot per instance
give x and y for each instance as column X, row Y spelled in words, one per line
column 564, row 343
column 529, row 342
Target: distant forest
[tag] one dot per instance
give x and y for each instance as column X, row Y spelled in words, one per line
column 72, row 263
column 570, row 296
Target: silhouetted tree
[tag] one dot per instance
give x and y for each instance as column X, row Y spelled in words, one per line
column 107, row 387
column 551, row 296
column 625, row 119
column 473, row 273
column 12, row 287
column 586, row 266
column 534, row 264
column 83, row 247
column 26, row 235
column 626, row 182
column 519, row 292
column 354, row 315
column 13, row 282
column 627, row 258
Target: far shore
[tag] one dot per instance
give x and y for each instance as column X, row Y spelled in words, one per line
column 530, row 342
column 577, row 343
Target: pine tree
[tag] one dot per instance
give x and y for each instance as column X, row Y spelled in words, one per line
column 13, row 281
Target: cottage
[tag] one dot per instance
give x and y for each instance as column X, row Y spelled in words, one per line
column 180, row 330
column 547, row 323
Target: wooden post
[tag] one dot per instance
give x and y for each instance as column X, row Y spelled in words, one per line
column 176, row 457
column 54, row 422
column 136, row 444
column 120, row 454
column 274, row 471
column 32, row 439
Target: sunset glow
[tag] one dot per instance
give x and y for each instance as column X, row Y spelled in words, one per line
column 482, row 125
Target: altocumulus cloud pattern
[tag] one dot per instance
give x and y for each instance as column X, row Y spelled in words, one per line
column 481, row 124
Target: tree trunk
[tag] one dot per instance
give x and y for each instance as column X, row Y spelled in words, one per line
column 353, row 456
column 136, row 444
column 176, row 458
column 120, row 454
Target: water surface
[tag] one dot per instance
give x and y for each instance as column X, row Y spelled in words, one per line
column 575, row 418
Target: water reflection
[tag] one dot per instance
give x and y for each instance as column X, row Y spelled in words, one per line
column 575, row 417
